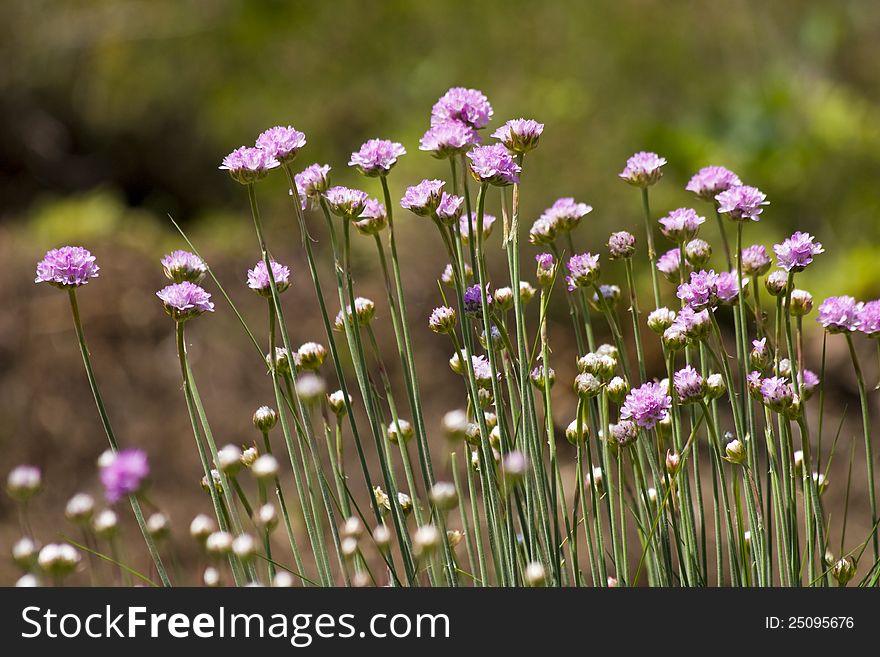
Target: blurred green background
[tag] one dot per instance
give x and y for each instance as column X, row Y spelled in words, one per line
column 114, row 114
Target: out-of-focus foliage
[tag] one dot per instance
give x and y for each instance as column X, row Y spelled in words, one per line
column 144, row 97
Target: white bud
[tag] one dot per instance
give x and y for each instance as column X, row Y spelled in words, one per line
column 58, row 559
column 80, row 508
column 534, row 574
column 266, row 518
column 349, row 547
column 244, row 546
column 382, row 537
column 24, row 552
column 229, row 459
column 282, row 580
column 426, row 539
column 353, row 527
column 158, row 526
column 211, row 577
column 27, row 581
column 202, row 526
column 23, row 482
column 265, row 467
column 106, row 523
column 219, row 543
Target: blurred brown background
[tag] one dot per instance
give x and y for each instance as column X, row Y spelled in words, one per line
column 114, row 114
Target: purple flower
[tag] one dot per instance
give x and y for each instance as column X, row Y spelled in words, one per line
column 473, row 304
column 681, row 225
column 726, row 288
column 185, row 300
column 546, row 269
column 449, row 138
column 459, row 104
column 258, row 278
column 311, row 182
column 839, row 314
column 376, row 157
column 702, row 290
column 450, row 208
column 182, row 266
column 248, row 165
column 67, row 267
column 869, row 319
column 669, row 264
column 520, row 135
column 566, row 213
column 759, row 347
column 643, row 169
column 708, row 182
column 494, row 165
column 467, row 228
column 282, row 143
column 621, row 245
column 695, row 325
column 742, row 202
column 423, row 199
column 689, row 384
column 776, row 392
column 482, row 371
column 543, row 231
column 809, row 382
column 646, row 405
column 624, row 432
column 124, row 473
column 753, row 382
column 795, row 253
column 583, row 270
column 755, row 261
column 346, row 202
column 373, row 219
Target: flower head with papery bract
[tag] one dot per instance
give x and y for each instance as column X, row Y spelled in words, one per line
column 742, row 203
column 795, row 253
column 646, row 405
column 566, row 213
column 669, row 264
column 180, row 266
column 776, row 392
column 839, row 314
column 643, row 169
column 377, row 157
column 543, row 231
column 694, row 324
column 248, row 165
column 282, row 143
column 185, row 300
column 493, row 165
column 346, row 202
column 473, row 303
column 809, row 381
column 373, row 219
column 708, row 182
column 311, row 182
column 755, row 261
column 726, row 287
column 681, row 225
column 258, row 278
column 450, row 208
column 449, row 138
column 423, row 199
column 546, row 270
column 482, row 371
column 467, row 228
column 459, row 104
column 583, row 270
column 689, row 384
column 702, row 290
column 67, row 267
column 124, row 473
column 869, row 319
column 621, row 244
column 520, row 135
